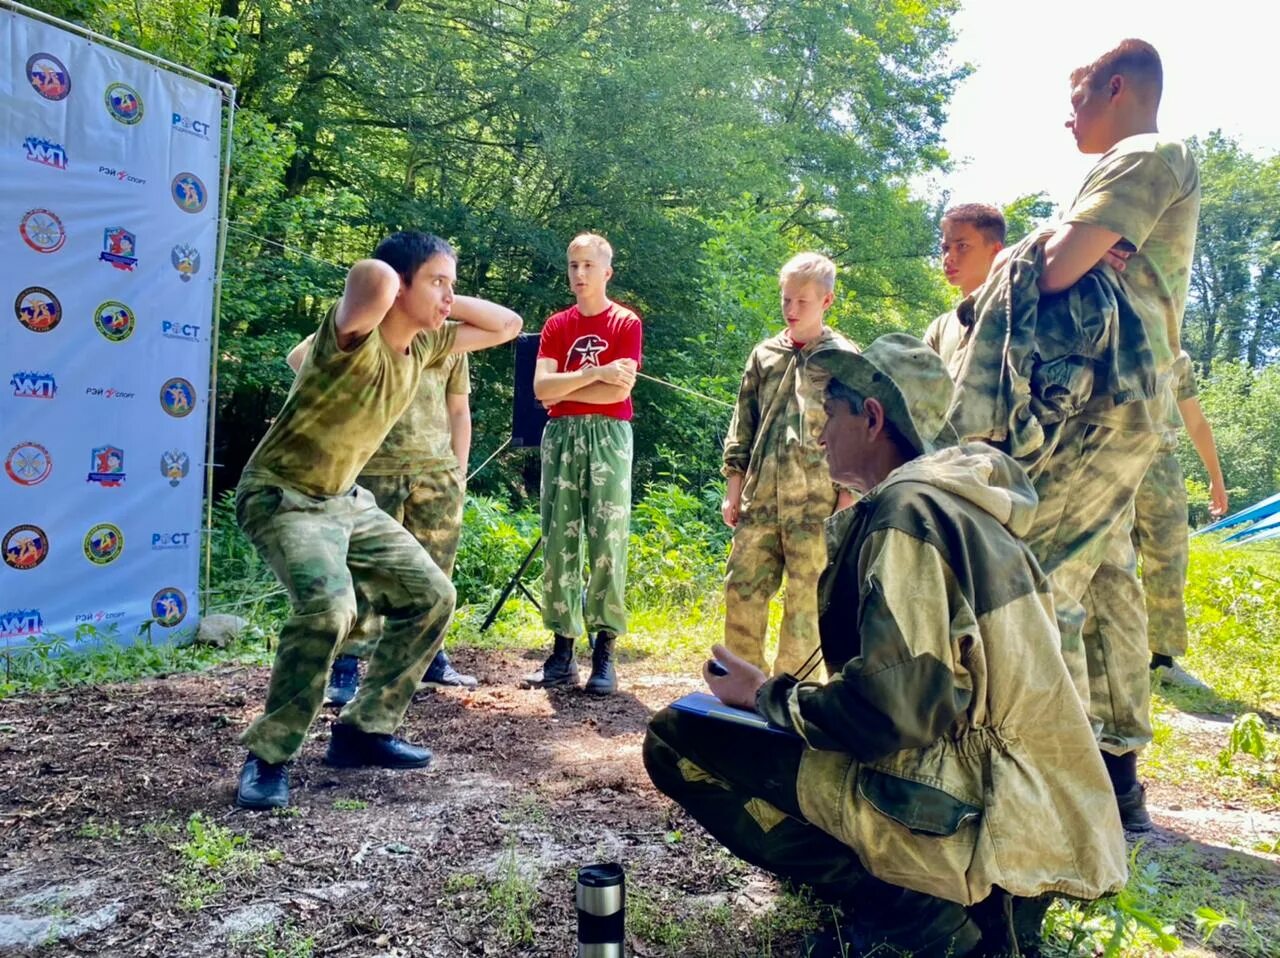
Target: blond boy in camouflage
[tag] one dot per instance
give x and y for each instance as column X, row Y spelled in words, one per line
column 326, row 538
column 778, row 490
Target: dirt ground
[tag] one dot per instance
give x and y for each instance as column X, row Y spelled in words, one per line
column 97, row 787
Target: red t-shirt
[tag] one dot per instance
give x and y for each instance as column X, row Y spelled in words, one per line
column 575, row 341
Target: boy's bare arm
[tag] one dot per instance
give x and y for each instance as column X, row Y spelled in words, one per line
column 369, row 294
column 551, row 386
column 731, row 507
column 484, row 324
column 1075, row 249
column 1201, row 434
column 298, row 355
column 459, row 408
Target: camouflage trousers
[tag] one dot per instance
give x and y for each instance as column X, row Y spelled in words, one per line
column 586, row 494
column 1086, row 485
column 321, row 550
column 429, row 505
column 763, row 548
column 1161, row 536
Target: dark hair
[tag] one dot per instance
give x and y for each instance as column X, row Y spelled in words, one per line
column 857, row 406
column 1137, row 60
column 987, row 220
column 405, row 252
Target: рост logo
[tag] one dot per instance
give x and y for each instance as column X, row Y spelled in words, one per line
column 187, row 331
column 169, row 606
column 28, row 464
column 107, row 467
column 174, row 465
column 19, row 623
column 42, row 231
column 186, row 260
column 48, row 76
column 45, row 152
column 123, row 103
column 192, row 127
column 24, row 547
column 114, row 320
column 188, row 192
column 178, row 397
column 170, row 540
column 37, row 309
column 103, row 543
column 33, row 385
column 118, row 246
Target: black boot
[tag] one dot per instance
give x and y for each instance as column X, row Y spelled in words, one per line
column 350, row 747
column 560, row 669
column 1010, row 925
column 1130, row 794
column 263, row 784
column 917, row 925
column 603, row 680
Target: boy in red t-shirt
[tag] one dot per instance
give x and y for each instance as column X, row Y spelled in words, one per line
column 587, row 361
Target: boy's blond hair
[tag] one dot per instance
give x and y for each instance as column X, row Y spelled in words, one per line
column 595, row 243
column 811, row 268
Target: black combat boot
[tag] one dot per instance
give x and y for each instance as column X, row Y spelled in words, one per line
column 560, row 669
column 350, row 747
column 908, row 924
column 603, row 680
column 263, row 784
column 1011, row 925
column 1131, row 795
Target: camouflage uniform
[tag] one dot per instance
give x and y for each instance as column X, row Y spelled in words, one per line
column 787, row 494
column 324, row 537
column 415, row 478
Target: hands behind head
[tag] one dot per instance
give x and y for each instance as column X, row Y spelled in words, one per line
column 738, row 687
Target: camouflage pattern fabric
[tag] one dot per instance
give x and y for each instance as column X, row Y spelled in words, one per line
column 1161, row 536
column 430, row 506
column 787, row 494
column 1089, row 479
column 322, row 549
column 341, row 406
column 586, row 495
column 421, row 440
column 1115, row 645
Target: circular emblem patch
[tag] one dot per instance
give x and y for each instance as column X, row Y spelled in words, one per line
column 123, row 103
column 178, row 397
column 48, row 76
column 28, row 464
column 24, row 547
column 114, row 320
column 169, row 606
column 188, row 192
column 37, row 309
column 103, row 543
column 42, row 231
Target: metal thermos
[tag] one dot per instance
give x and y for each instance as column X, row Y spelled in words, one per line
column 602, row 911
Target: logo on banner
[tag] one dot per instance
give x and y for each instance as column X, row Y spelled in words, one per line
column 174, row 466
column 100, row 616
column 37, row 309
column 28, row 464
column 48, row 76
column 124, row 176
column 103, row 543
column 118, row 245
column 45, row 152
column 33, row 385
column 24, row 547
column 188, row 192
column 114, row 320
column 107, row 467
column 178, row 397
column 170, row 540
column 42, row 231
column 185, row 331
column 17, row 623
column 186, row 260
column 192, row 127
column 107, row 392
column 123, row 103
column 169, row 606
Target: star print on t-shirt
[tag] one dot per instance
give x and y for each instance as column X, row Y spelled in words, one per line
column 586, row 350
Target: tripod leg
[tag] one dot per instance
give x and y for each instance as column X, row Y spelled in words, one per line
column 511, row 586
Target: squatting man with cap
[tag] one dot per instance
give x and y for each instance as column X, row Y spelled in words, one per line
column 945, row 783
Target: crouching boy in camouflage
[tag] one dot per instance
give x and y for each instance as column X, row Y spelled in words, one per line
column 324, row 536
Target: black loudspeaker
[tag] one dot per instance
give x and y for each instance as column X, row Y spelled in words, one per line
column 527, row 415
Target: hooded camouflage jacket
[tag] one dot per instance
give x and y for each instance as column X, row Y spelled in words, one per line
column 949, row 748
column 773, row 435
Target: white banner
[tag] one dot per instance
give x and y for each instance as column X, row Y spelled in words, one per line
column 109, row 172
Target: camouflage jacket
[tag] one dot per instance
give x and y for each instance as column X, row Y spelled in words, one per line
column 773, row 435
column 1033, row 361
column 950, row 748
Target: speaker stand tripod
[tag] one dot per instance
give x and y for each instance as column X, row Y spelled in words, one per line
column 515, row 582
